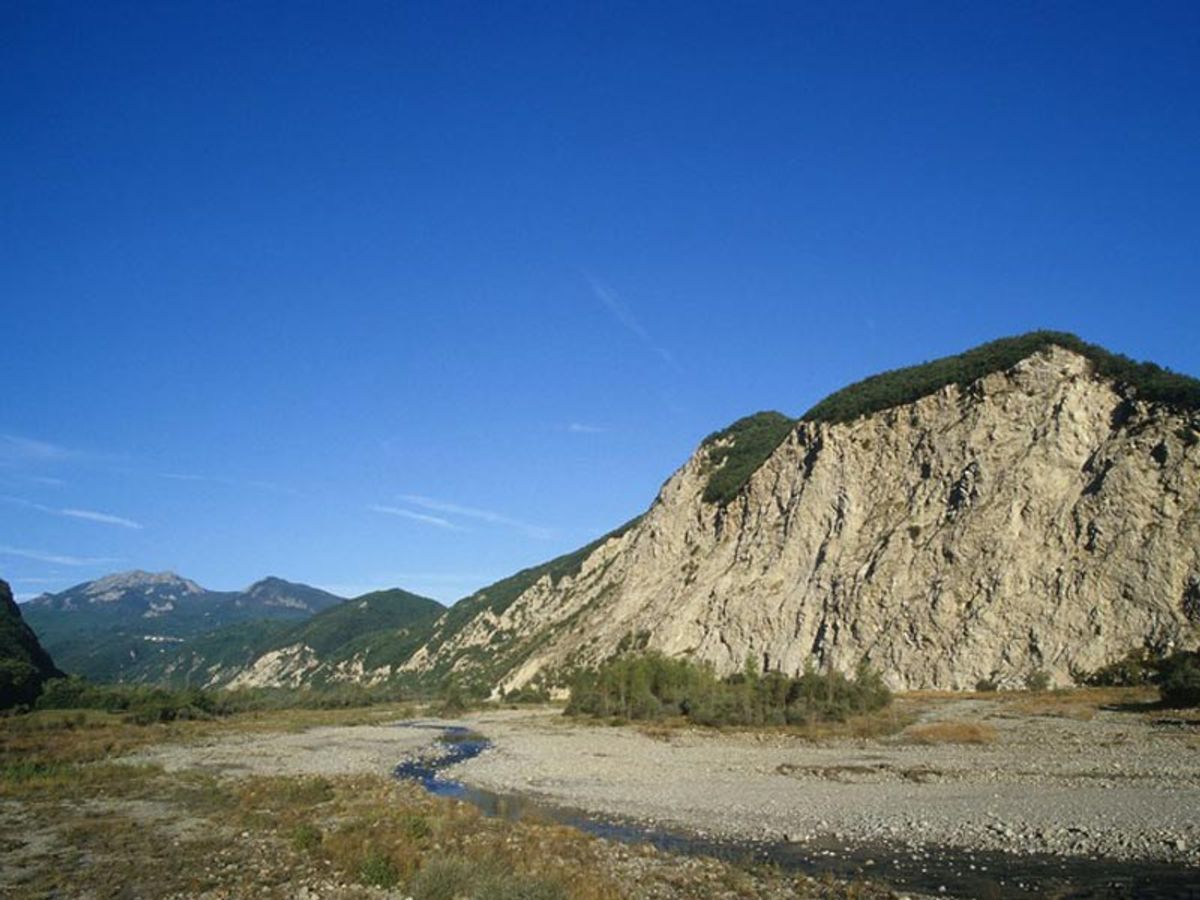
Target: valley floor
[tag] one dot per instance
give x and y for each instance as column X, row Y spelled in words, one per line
column 306, row 807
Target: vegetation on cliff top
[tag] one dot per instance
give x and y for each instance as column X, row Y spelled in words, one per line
column 737, row 452
column 901, row 386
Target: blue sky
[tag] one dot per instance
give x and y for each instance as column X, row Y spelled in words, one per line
column 419, row 294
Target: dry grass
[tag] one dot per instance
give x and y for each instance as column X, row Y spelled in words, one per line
column 951, row 733
column 882, row 723
column 1078, row 703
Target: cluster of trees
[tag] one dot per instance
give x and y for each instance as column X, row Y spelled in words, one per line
column 141, row 704
column 148, row 704
column 652, row 686
column 901, row 386
column 20, row 683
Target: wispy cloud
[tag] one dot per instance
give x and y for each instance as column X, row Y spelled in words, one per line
column 16, row 449
column 472, row 512
column 89, row 515
column 612, row 301
column 257, row 484
column 436, row 521
column 57, row 559
column 584, row 428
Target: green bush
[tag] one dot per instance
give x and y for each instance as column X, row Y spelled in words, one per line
column 378, row 871
column 1037, row 681
column 986, row 686
column 1136, row 668
column 652, row 686
column 306, row 837
column 1180, row 684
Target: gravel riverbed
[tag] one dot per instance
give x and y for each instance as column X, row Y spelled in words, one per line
column 1120, row 785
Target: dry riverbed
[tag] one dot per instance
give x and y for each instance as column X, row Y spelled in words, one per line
column 1046, row 776
column 1088, row 775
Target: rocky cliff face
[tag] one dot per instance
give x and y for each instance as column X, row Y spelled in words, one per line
column 1035, row 519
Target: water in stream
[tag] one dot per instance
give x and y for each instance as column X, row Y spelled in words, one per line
column 944, row 871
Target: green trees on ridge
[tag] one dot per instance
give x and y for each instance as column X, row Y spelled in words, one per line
column 738, row 451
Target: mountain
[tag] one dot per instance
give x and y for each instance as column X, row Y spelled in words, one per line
column 365, row 640
column 145, row 594
column 108, row 628
column 1030, row 505
column 24, row 665
column 275, row 593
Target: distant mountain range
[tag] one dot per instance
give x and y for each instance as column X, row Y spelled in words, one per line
column 363, row 640
column 110, row 628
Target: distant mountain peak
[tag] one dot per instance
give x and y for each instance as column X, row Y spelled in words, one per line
column 137, row 579
column 274, row 591
column 271, row 583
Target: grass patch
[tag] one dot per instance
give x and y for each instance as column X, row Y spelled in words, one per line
column 306, row 837
column 462, row 878
column 1079, row 703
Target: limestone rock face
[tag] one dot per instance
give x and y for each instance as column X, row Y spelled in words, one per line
column 1035, row 519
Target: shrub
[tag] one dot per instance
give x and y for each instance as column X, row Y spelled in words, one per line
column 453, row 697
column 306, row 837
column 986, row 686
column 378, row 871
column 1180, row 685
column 1037, row 681
column 1136, row 668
